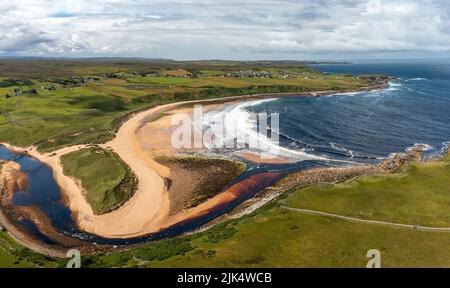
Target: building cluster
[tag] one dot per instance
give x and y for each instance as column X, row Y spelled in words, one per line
column 116, row 75
column 375, row 79
column 75, row 80
column 147, row 74
column 250, row 74
column 51, row 87
column 19, row 92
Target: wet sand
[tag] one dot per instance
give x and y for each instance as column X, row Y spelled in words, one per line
column 12, row 180
column 254, row 157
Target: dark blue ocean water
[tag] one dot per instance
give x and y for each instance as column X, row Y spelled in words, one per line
column 370, row 125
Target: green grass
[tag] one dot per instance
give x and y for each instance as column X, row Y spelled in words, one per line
column 56, row 120
column 7, row 249
column 212, row 72
column 13, row 255
column 421, row 197
column 107, row 180
column 276, row 237
column 53, row 119
column 162, row 81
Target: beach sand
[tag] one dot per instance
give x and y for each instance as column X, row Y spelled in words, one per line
column 148, row 211
column 11, row 179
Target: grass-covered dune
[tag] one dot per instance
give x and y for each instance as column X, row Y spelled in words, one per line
column 106, row 179
column 196, row 179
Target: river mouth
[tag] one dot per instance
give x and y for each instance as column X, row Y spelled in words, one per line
column 44, row 194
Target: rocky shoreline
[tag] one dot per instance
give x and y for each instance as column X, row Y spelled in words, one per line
column 397, row 163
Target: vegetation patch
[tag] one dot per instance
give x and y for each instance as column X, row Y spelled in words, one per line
column 163, row 250
column 14, row 255
column 421, row 196
column 108, row 182
column 101, row 103
column 12, row 82
column 216, row 235
column 148, row 253
column 202, row 178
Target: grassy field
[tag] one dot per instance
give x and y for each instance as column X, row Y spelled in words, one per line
column 79, row 102
column 7, row 255
column 107, row 180
column 276, row 237
column 421, row 197
column 13, row 255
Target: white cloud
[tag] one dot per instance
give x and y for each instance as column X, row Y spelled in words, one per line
column 189, row 29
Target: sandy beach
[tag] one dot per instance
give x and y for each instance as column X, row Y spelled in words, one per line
column 148, row 211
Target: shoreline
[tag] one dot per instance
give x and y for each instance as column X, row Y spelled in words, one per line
column 334, row 175
column 153, row 189
column 10, row 180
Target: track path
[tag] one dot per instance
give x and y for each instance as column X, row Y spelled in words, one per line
column 352, row 219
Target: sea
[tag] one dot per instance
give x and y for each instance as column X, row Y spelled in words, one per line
column 364, row 126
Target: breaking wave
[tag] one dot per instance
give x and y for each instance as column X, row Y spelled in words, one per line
column 241, row 130
column 416, row 79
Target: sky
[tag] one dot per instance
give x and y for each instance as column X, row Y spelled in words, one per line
column 226, row 29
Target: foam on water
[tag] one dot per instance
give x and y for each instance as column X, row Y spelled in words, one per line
column 445, row 147
column 343, row 149
column 425, row 147
column 416, row 79
column 238, row 119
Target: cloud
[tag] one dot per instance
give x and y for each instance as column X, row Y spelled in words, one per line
column 18, row 37
column 22, row 40
column 229, row 29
